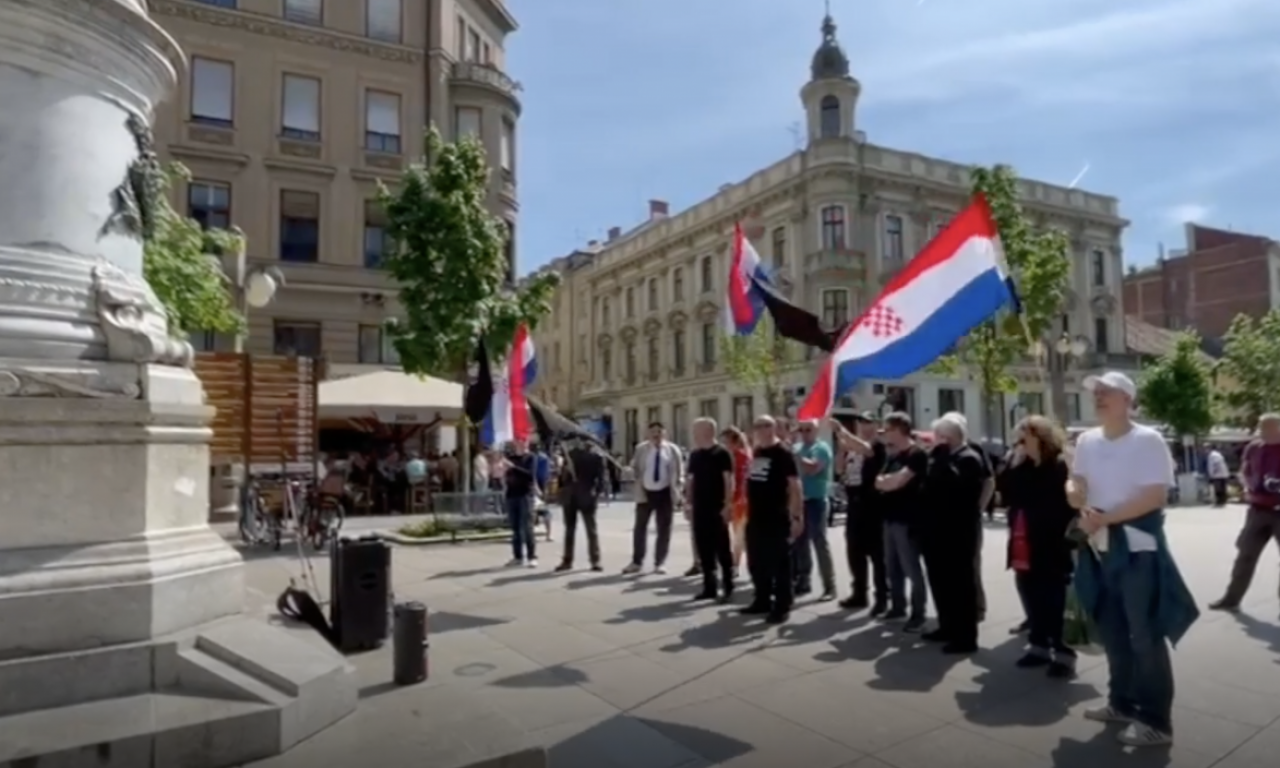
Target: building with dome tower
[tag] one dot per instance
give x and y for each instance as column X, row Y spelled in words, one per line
column 634, row 333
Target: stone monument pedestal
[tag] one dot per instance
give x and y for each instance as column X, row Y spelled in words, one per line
column 123, row 641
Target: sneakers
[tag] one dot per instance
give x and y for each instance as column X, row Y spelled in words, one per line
column 531, row 563
column 631, row 570
column 660, row 570
column 827, row 596
column 1138, row 735
column 1106, row 714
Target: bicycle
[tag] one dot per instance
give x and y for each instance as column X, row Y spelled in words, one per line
column 320, row 519
column 256, row 521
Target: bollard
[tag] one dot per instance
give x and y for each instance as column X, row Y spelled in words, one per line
column 409, row 639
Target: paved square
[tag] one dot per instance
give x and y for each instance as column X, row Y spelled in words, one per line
column 608, row 672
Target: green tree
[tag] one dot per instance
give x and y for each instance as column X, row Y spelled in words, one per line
column 450, row 261
column 759, row 361
column 1040, row 265
column 179, row 261
column 1250, row 367
column 1176, row 389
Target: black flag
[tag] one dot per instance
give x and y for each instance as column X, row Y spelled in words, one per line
column 553, row 427
column 479, row 394
column 794, row 323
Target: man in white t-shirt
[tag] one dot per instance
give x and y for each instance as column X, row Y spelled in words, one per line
column 1215, row 466
column 1120, row 476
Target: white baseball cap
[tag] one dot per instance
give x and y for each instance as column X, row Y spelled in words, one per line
column 1112, row 380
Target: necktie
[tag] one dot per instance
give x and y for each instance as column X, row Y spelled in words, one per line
column 657, row 466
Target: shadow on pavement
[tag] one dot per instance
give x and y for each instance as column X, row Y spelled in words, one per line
column 440, row 622
column 732, row 628
column 559, row 676
column 660, row 743
column 526, row 577
column 1260, row 630
column 1103, row 751
column 656, row 612
column 818, row 629
column 1011, row 696
column 875, row 640
column 614, row 579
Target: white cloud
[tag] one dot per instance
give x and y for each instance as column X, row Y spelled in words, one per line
column 1187, row 212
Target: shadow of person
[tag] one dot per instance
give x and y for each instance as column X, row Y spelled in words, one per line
column 913, row 667
column 655, row 612
column 1103, row 751
column 868, row 645
column 528, row 577
column 1260, row 630
column 816, row 630
column 672, row 585
column 732, row 629
column 610, row 580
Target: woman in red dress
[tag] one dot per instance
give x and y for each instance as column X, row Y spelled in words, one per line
column 737, row 445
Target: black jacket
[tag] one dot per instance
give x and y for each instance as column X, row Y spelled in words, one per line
column 1038, row 493
column 952, row 493
column 584, row 474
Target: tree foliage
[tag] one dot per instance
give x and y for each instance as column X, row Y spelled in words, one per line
column 1250, row 367
column 759, row 361
column 449, row 258
column 1177, row 389
column 1040, row 264
column 179, row 262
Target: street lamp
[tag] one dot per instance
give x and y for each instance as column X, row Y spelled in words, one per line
column 260, row 286
column 1056, row 359
column 255, row 287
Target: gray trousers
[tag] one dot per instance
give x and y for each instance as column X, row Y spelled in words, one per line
column 902, row 562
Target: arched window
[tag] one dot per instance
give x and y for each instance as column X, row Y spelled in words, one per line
column 829, row 118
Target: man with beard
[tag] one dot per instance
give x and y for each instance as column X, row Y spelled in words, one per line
column 775, row 519
column 708, row 491
column 864, row 523
column 950, row 534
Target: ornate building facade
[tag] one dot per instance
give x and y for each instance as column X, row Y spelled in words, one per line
column 635, row 335
column 292, row 111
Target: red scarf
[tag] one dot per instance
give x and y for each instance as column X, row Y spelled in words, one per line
column 1019, row 545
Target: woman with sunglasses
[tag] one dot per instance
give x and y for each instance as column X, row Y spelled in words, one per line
column 736, row 442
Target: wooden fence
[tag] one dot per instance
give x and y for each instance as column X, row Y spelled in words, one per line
column 266, row 407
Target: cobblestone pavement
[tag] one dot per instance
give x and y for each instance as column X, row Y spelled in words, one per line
column 620, row 672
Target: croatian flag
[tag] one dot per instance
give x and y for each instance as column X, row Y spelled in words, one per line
column 743, row 305
column 955, row 283
column 508, row 418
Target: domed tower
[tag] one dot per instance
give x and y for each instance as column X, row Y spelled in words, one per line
column 831, row 96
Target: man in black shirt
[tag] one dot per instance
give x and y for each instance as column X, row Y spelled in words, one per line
column 864, row 523
column 707, row 493
column 900, row 485
column 582, row 480
column 950, row 534
column 521, row 486
column 775, row 519
column 987, row 500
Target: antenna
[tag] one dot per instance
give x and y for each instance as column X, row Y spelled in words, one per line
column 794, row 130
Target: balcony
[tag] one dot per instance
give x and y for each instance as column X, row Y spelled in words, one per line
column 488, row 78
column 842, row 260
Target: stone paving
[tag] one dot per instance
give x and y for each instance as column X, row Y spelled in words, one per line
column 613, row 672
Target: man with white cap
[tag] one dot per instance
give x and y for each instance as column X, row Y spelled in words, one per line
column 1126, row 579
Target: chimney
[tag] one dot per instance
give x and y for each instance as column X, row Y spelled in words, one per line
column 592, row 243
column 658, row 209
column 614, row 234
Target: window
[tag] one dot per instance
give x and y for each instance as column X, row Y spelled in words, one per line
column 680, row 423
column 296, row 339
column 582, row 348
column 743, row 412
column 653, row 414
column 300, row 113
column 939, row 223
column 1073, row 408
column 778, row 249
column 950, row 399
column 473, row 45
column 466, row 122
column 709, row 409
column 678, row 352
column 382, row 122
column 305, row 11
column 835, row 307
column 212, row 91
column 654, row 361
column 377, row 243
column 377, row 347
column 629, row 361
column 1101, row 341
column 219, row 3
column 383, row 19
column 829, row 117
column 209, row 203
column 631, row 429
column 299, row 226
column 606, row 312
column 708, row 344
column 677, row 284
column 893, row 246
column 507, row 147
column 631, row 302
column 833, row 235
column 1031, row 403
column 653, row 294
column 606, row 364
column 1098, row 267
column 203, row 341
column 1064, row 324
column 707, row 276
column 509, row 250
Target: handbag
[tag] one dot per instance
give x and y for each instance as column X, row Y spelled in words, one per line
column 1078, row 630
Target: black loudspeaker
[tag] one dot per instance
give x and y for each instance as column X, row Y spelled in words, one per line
column 360, row 586
column 409, row 644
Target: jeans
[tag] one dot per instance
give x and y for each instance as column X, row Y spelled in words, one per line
column 864, row 546
column 1044, row 599
column 902, row 561
column 1141, row 684
column 524, row 545
column 814, row 540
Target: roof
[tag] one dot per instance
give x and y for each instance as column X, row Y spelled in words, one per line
column 1143, row 338
column 392, row 396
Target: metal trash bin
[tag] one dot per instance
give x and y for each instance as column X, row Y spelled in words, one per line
column 409, row 644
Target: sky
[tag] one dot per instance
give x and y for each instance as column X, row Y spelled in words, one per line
column 1172, row 106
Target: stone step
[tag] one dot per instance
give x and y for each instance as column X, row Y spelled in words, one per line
column 144, row 731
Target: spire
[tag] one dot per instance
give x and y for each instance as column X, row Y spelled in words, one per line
column 829, row 61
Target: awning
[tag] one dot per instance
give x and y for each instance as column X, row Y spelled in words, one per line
column 392, row 397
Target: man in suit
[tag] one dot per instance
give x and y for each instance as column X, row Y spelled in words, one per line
column 582, row 480
column 659, row 473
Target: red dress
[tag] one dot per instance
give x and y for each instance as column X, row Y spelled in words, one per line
column 741, row 469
